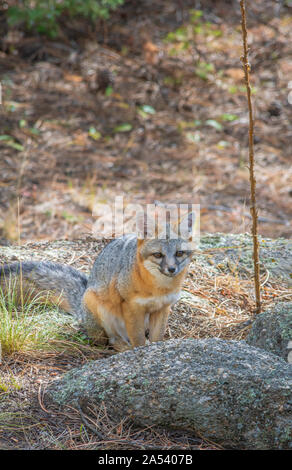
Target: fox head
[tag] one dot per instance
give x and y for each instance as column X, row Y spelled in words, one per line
column 164, row 244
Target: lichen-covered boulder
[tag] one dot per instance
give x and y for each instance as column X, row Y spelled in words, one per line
column 235, row 394
column 272, row 330
column 234, row 253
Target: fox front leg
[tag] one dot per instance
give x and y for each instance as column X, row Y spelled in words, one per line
column 134, row 318
column 158, row 323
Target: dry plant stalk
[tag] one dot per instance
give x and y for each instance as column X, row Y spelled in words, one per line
column 253, row 209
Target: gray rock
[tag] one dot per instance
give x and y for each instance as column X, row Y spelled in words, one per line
column 272, row 330
column 234, row 253
column 229, row 392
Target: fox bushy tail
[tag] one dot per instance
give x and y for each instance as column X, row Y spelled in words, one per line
column 64, row 281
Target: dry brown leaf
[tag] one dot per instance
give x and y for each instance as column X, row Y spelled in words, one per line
column 73, row 78
column 151, row 52
column 235, row 74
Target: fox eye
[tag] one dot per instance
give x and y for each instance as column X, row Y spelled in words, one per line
column 179, row 254
column 157, row 255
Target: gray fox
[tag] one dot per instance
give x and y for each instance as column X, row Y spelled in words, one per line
column 129, row 292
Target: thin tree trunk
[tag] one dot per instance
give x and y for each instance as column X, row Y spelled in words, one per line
column 253, row 208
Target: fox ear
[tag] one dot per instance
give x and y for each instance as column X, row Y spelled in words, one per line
column 186, row 226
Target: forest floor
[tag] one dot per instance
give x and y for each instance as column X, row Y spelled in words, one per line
column 217, row 301
column 149, row 106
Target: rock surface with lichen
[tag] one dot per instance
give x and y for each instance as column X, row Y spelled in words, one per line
column 227, row 391
column 272, row 330
column 233, row 253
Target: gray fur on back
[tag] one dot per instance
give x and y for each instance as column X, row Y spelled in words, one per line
column 115, row 261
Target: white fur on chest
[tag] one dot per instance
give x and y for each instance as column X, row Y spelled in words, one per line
column 155, row 303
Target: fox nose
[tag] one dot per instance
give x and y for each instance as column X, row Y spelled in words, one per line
column 171, row 269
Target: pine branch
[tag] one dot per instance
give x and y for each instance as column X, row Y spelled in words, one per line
column 253, row 208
